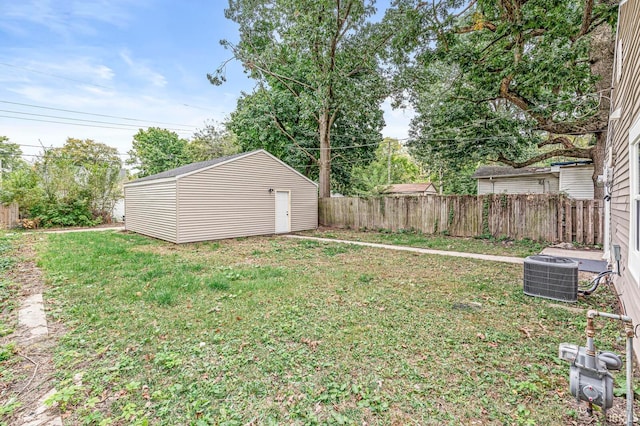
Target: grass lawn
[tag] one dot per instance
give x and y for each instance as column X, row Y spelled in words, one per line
column 278, row 331
column 499, row 247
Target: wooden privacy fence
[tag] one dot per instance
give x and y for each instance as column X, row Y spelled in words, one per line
column 543, row 217
column 8, row 215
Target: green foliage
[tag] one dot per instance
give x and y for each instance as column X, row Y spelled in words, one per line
column 22, row 186
column 9, row 407
column 391, row 165
column 304, row 335
column 96, row 173
column 66, row 397
column 76, row 184
column 10, row 157
column 212, row 142
column 320, row 85
column 502, row 82
column 156, row 150
column 68, row 212
column 7, row 351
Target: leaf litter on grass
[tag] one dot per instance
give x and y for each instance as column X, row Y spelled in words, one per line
column 304, row 334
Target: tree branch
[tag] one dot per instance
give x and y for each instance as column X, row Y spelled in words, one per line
column 575, row 152
column 291, row 138
column 565, row 141
column 586, row 20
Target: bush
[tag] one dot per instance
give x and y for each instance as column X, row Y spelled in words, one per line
column 62, row 213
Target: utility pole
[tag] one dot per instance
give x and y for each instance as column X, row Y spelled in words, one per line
column 389, row 164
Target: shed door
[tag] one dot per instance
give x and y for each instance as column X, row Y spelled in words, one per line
column 283, row 222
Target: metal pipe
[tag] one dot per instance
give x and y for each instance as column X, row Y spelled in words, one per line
column 628, row 327
column 591, row 314
column 629, row 331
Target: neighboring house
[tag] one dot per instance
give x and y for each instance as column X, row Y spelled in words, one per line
column 251, row 193
column 402, row 189
column 622, row 162
column 117, row 213
column 572, row 177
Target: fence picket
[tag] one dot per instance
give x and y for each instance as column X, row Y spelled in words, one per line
column 539, row 217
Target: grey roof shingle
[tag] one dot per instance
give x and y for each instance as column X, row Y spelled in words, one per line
column 190, row 167
column 489, row 171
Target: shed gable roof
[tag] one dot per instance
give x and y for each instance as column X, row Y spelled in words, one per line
column 182, row 170
column 203, row 165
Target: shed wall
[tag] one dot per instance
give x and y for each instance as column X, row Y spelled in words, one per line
column 150, row 209
column 233, row 199
column 577, row 182
column 626, row 97
column 518, row 185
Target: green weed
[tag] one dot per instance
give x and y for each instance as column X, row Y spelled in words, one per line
column 303, row 334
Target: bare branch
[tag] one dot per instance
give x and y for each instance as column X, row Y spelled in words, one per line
column 586, row 20
column 290, row 137
column 575, row 152
column 463, row 11
column 565, row 141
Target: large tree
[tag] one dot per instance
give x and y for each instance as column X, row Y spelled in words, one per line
column 391, row 165
column 76, row 184
column 156, row 150
column 97, row 171
column 323, row 55
column 10, row 156
column 260, row 116
column 212, row 141
column 522, row 74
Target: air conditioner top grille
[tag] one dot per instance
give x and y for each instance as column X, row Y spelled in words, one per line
column 551, row 277
column 557, row 262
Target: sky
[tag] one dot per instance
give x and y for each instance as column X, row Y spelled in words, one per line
column 102, row 69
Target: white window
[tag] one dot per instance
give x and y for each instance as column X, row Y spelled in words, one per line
column 634, row 200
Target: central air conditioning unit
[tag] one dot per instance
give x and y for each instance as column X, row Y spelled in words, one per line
column 551, row 277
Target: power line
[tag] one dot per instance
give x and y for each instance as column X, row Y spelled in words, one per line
column 96, row 115
column 80, row 119
column 71, row 124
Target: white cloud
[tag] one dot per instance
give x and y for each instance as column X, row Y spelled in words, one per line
column 65, row 18
column 140, row 69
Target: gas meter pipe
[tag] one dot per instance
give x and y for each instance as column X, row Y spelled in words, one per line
column 628, row 329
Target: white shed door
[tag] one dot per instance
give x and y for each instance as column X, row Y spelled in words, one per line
column 283, row 223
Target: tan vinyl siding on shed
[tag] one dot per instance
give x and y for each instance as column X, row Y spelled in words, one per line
column 518, row 185
column 577, row 182
column 150, row 209
column 230, row 201
column 626, row 97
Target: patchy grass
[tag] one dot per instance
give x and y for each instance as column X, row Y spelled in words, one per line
column 282, row 331
column 8, row 288
column 495, row 246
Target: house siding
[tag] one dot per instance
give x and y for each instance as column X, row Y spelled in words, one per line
column 626, row 97
column 233, row 199
column 150, row 209
column 518, row 185
column 577, row 182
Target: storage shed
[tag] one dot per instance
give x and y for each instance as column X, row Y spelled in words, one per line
column 570, row 177
column 251, row 193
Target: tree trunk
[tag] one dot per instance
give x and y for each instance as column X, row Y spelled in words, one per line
column 325, row 156
column 597, row 155
column 601, row 57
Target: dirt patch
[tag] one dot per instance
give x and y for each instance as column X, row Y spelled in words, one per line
column 29, row 373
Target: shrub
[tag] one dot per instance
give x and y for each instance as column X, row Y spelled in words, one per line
column 64, row 213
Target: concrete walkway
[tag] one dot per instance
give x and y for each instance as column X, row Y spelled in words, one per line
column 65, row 231
column 32, row 319
column 591, row 255
column 505, row 259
